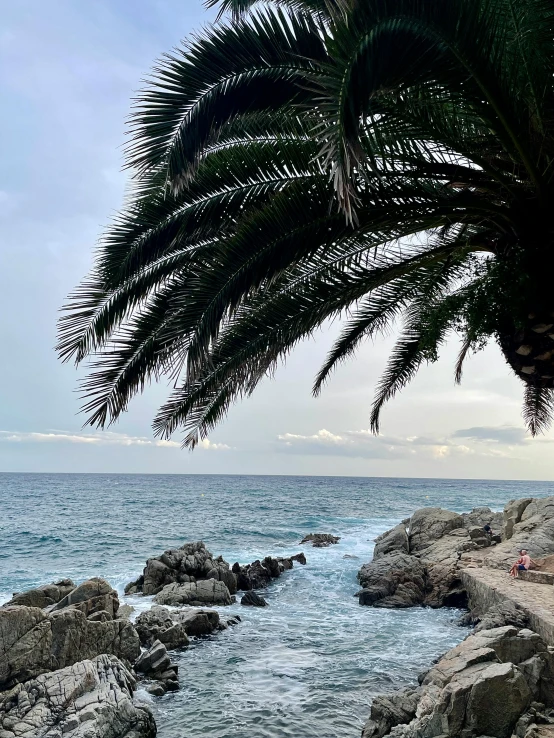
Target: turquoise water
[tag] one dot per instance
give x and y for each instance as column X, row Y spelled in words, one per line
column 305, row 667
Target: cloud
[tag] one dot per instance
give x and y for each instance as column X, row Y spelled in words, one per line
column 105, row 438
column 505, row 434
column 364, row 444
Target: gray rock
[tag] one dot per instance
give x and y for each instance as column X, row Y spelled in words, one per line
column 45, row 596
column 90, row 699
column 393, row 540
column 204, row 592
column 188, row 564
column 90, row 597
column 158, row 624
column 320, row 540
column 156, row 664
column 390, row 710
column 429, row 524
column 199, row 622
column 251, row 599
column 33, row 642
column 513, row 511
column 260, row 573
column 395, row 580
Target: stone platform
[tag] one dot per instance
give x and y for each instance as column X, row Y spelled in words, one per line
column 487, row 587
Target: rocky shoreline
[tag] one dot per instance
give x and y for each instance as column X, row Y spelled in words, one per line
column 499, row 682
column 71, row 659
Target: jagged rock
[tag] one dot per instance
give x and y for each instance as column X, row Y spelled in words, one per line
column 390, row 710
column 199, row 622
column 203, row 592
column 320, row 540
column 251, row 599
column 33, row 642
column 90, row 699
column 396, row 580
column 513, row 511
column 260, row 573
column 158, row 624
column 188, row 564
column 393, row 540
column 481, row 516
column 125, row 612
column 90, row 597
column 504, row 613
column 534, row 530
column 156, row 664
column 45, row 596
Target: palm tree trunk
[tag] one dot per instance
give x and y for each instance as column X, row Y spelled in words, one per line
column 529, row 348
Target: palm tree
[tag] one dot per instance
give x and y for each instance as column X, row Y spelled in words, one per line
column 389, row 163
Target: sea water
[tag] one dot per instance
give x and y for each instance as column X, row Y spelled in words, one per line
column 308, row 665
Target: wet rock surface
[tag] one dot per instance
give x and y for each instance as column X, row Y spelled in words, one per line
column 259, row 574
column 320, row 540
column 251, row 599
column 203, row 592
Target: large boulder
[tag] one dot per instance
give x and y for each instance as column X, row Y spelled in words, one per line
column 429, row 524
column 33, row 642
column 90, row 699
column 251, row 599
column 45, row 596
column 94, row 595
column 396, row 580
column 203, row 592
column 513, row 510
column 482, row 687
column 190, row 563
column 200, row 622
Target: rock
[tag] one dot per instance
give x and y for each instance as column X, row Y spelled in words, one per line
column 156, row 664
column 204, row 592
column 199, row 622
column 513, row 511
column 390, row 710
column 393, row 540
column 251, row 599
column 156, row 690
column 45, row 596
column 396, row 580
column 188, row 564
column 534, row 530
column 90, row 699
column 429, row 524
column 260, row 573
column 504, row 613
column 125, row 612
column 158, row 624
column 90, row 597
column 320, row 540
column 33, row 642
column 481, row 516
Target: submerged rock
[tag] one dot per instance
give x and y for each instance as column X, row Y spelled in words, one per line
column 320, row 540
column 92, row 699
column 251, row 599
column 260, row 573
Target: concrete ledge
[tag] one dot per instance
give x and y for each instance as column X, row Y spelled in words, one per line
column 488, row 587
column 539, row 577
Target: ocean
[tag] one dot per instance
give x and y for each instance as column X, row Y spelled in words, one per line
column 308, row 665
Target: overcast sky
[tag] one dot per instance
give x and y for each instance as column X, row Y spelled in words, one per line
column 68, row 70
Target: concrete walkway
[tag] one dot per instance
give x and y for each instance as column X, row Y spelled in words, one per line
column 487, row 587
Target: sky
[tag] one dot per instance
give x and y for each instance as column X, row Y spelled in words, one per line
column 68, row 71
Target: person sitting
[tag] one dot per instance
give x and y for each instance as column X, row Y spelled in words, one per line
column 488, row 530
column 522, row 564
